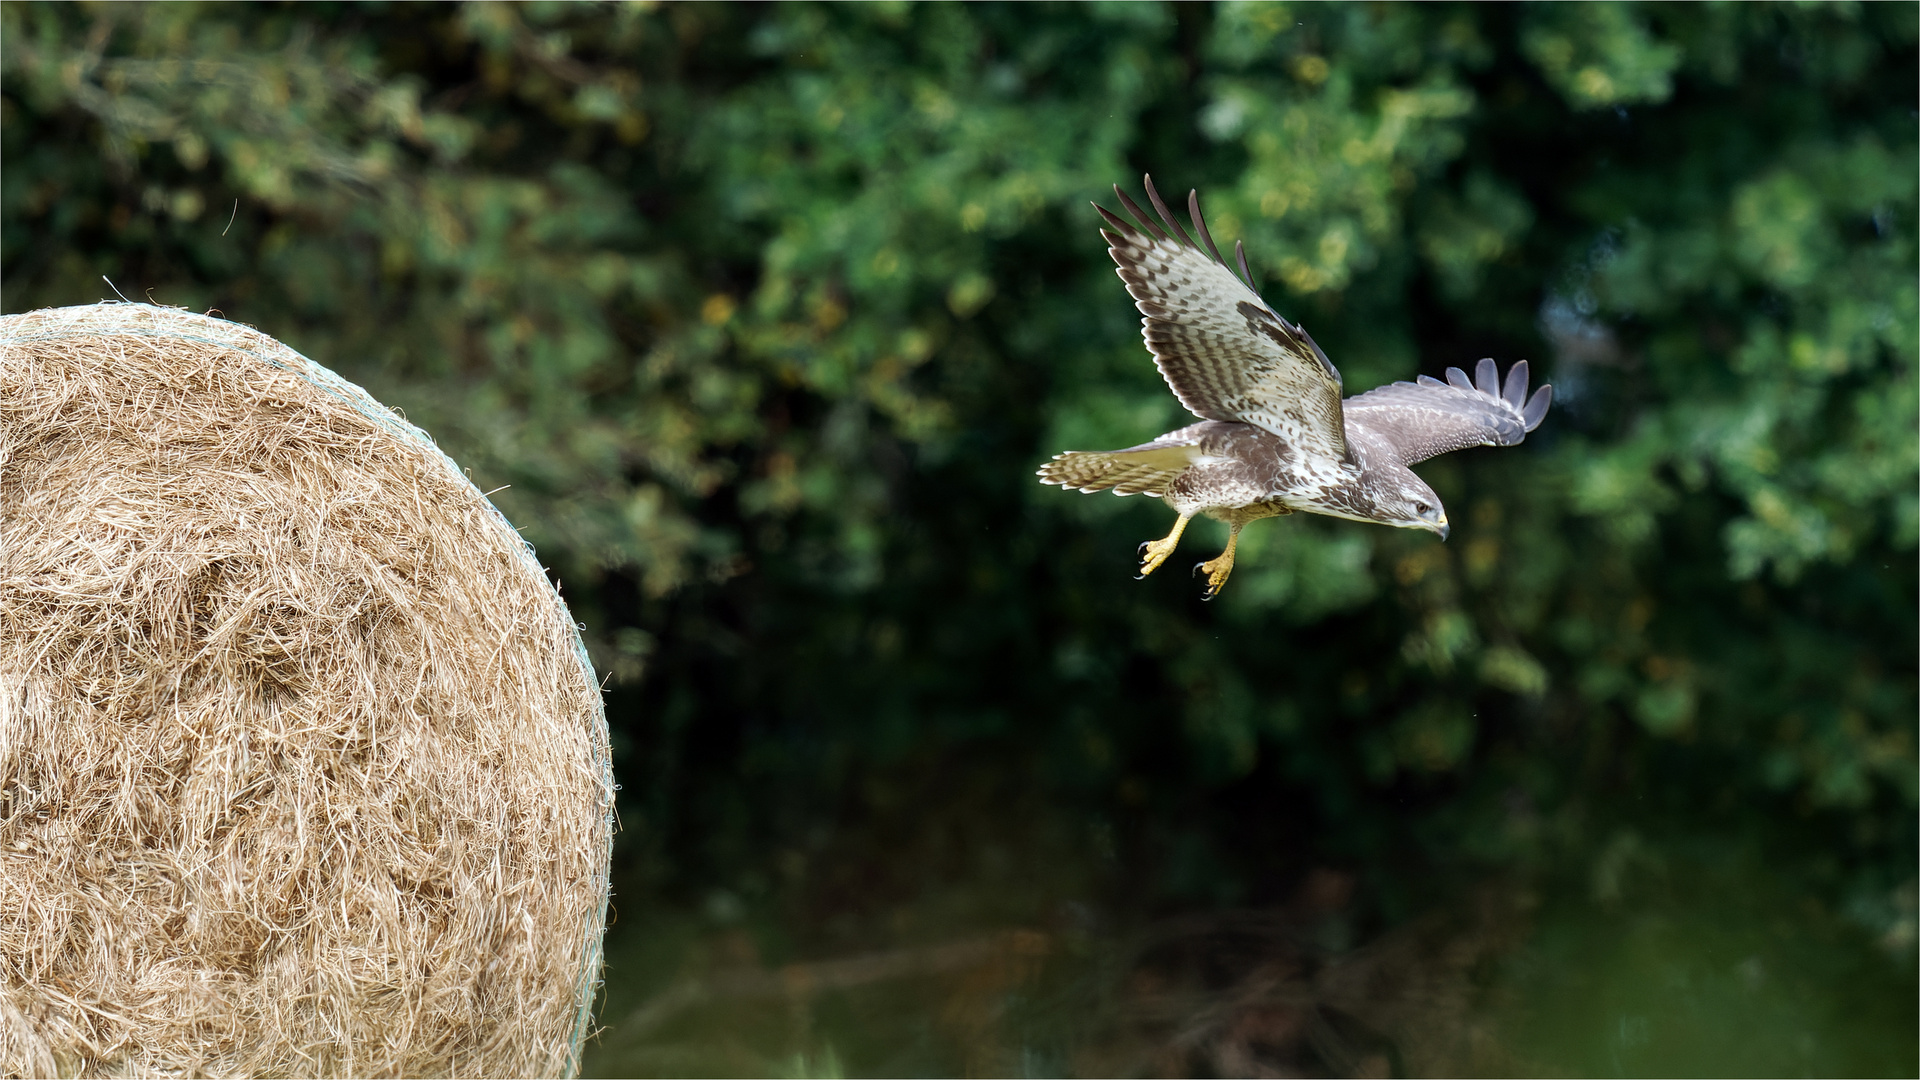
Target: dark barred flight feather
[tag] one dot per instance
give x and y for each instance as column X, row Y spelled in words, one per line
column 1275, row 435
column 1224, row 352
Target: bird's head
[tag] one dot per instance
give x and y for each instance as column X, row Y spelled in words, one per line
column 1415, row 506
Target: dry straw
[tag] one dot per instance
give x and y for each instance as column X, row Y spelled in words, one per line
column 302, row 768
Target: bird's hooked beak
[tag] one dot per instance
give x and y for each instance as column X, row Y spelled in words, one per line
column 1441, row 528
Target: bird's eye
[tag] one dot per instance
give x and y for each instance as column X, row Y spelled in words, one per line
column 1422, row 509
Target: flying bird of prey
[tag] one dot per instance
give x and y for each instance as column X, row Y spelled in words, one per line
column 1274, row 435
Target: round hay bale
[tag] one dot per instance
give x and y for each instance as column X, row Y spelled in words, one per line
column 303, row 770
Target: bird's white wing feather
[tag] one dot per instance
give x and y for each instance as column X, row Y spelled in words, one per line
column 1430, row 417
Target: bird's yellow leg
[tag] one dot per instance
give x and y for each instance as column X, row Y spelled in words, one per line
column 1155, row 552
column 1218, row 569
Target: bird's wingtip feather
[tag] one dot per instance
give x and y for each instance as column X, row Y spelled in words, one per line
column 1536, row 409
column 1515, row 391
column 1486, row 377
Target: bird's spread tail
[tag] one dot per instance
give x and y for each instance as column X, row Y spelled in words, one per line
column 1141, row 470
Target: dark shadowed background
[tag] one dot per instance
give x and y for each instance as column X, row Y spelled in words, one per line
column 766, row 315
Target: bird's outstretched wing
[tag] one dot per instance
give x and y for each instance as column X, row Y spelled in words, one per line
column 1225, row 353
column 1430, row 417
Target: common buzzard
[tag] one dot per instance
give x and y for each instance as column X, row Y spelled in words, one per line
column 1274, row 435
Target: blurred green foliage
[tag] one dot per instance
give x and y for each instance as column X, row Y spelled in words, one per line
column 766, row 314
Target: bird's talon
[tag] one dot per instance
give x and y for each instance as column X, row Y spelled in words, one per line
column 1218, row 569
column 1155, row 552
